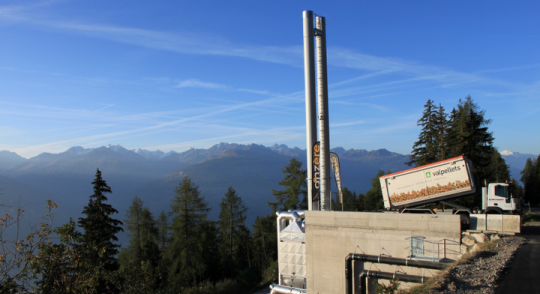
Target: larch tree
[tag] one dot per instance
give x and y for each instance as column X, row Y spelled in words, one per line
column 163, row 227
column 231, row 225
column 143, row 232
column 185, row 253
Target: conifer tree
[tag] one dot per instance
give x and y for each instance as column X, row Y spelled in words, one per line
column 373, row 200
column 425, row 149
column 476, row 141
column 530, row 176
column 143, row 232
column 295, row 185
column 453, row 140
column 185, row 253
column 498, row 169
column 469, row 136
column 100, row 228
column 349, row 201
column 163, row 227
column 231, row 224
column 264, row 243
column 360, row 206
column 441, row 130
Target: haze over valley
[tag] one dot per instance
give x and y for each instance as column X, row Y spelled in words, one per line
column 153, row 175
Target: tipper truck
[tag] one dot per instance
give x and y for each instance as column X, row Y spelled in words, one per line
column 414, row 189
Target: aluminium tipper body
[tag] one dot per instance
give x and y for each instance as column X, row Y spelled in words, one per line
column 441, row 180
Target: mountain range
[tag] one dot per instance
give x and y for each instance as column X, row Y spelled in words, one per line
column 516, row 162
column 252, row 170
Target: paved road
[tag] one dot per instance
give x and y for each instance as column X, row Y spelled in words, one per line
column 523, row 273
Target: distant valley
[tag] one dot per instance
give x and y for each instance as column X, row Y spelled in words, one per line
column 152, row 175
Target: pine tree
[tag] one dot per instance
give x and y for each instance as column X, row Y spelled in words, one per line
column 100, row 228
column 185, row 253
column 295, row 185
column 231, row 224
column 425, row 149
column 530, row 177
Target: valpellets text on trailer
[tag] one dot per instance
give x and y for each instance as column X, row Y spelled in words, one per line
column 438, row 181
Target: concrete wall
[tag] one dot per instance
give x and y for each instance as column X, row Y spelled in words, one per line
column 332, row 235
column 502, row 223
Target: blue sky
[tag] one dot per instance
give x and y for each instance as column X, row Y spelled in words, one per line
column 171, row 75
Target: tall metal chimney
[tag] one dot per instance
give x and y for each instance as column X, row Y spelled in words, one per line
column 324, row 129
column 309, row 78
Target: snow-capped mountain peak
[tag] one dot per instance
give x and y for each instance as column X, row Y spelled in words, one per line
column 117, row 148
column 507, row 152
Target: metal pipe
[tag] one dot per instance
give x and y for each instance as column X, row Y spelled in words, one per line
column 391, row 276
column 275, row 289
column 387, row 276
column 387, row 260
column 311, row 117
column 322, row 92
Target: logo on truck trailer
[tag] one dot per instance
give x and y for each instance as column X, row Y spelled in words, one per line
column 441, row 172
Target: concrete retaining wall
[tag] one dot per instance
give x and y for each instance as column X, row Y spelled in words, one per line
column 502, row 223
column 330, row 236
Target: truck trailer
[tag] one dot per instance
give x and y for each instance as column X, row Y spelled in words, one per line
column 413, row 190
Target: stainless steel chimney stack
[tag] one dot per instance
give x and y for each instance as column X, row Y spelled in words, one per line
column 309, row 78
column 324, row 129
column 319, row 33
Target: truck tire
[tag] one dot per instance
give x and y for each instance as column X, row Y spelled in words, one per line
column 465, row 222
column 494, row 210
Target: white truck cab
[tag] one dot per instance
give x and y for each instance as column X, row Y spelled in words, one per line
column 498, row 199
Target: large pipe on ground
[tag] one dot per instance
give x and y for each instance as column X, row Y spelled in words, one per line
column 324, row 129
column 309, row 79
column 278, row 289
column 387, row 260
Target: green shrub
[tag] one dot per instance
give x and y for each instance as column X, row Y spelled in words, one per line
column 271, row 273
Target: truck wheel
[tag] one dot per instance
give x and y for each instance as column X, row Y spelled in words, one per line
column 464, row 222
column 494, row 210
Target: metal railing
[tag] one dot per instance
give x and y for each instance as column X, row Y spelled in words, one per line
column 438, row 251
column 293, row 281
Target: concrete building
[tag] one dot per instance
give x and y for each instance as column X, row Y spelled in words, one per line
column 315, row 259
